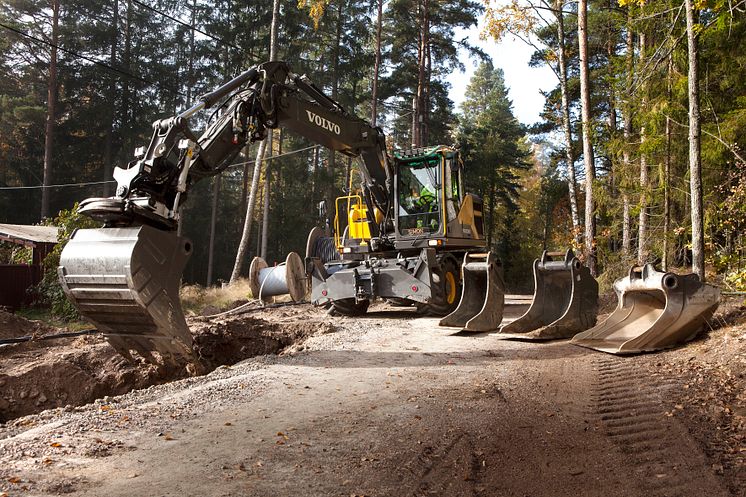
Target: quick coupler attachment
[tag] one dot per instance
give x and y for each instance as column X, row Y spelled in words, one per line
column 126, row 282
column 656, row 310
column 483, row 296
column 565, row 300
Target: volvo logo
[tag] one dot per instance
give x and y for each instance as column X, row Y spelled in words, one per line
column 322, row 122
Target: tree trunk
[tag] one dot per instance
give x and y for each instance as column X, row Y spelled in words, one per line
column 626, row 157
column 213, row 223
column 667, row 169
column 376, row 66
column 109, row 144
column 243, row 246
column 51, row 111
column 566, row 125
column 588, row 159
column 642, row 226
column 422, row 49
column 695, row 161
column 275, row 134
column 266, row 191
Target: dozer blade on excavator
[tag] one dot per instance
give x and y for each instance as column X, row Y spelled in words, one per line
column 565, row 300
column 483, row 296
column 656, row 310
column 126, row 282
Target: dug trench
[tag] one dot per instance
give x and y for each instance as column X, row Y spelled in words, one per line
column 70, row 372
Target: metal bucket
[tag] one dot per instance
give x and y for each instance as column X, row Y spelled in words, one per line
column 565, row 300
column 483, row 296
column 656, row 310
column 126, row 282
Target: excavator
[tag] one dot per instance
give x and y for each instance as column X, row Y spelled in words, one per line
column 410, row 233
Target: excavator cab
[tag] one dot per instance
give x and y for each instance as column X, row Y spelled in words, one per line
column 430, row 202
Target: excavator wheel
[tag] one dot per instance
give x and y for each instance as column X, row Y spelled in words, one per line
column 446, row 298
column 348, row 307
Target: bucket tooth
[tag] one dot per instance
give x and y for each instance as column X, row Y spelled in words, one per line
column 483, row 296
column 656, row 310
column 565, row 300
column 126, row 282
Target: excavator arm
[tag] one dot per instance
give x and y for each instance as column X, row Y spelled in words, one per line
column 125, row 276
column 152, row 187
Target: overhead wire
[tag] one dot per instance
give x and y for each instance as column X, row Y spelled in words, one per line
column 194, row 28
column 88, row 183
column 89, row 59
column 63, row 185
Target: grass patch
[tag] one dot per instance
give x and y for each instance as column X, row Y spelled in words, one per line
column 196, row 298
column 45, row 315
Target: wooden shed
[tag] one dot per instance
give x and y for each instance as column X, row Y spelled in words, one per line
column 16, row 279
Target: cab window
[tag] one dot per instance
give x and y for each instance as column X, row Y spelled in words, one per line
column 419, row 196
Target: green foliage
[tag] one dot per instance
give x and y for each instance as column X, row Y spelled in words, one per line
column 495, row 154
column 49, row 290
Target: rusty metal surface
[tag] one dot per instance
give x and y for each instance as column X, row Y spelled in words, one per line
column 483, row 296
column 565, row 300
column 126, row 282
column 656, row 310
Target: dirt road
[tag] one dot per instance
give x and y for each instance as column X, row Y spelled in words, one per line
column 386, row 405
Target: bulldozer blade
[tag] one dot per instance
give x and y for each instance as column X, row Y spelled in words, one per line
column 126, row 282
column 565, row 300
column 483, row 296
column 656, row 311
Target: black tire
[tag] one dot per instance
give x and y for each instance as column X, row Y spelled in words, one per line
column 348, row 307
column 448, row 293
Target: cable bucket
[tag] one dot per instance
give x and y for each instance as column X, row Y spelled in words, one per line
column 126, row 282
column 565, row 300
column 483, row 296
column 656, row 310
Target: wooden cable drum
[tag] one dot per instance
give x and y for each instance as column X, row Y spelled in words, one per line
column 286, row 278
column 320, row 246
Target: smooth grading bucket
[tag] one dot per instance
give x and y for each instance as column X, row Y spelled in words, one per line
column 126, row 282
column 483, row 296
column 565, row 300
column 656, row 311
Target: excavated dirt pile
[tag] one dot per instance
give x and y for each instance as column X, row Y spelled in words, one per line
column 45, row 374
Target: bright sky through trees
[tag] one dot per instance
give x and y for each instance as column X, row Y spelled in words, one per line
column 524, row 82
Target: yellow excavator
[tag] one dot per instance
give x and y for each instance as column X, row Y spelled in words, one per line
column 404, row 237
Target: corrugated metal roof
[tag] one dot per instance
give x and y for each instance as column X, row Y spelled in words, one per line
column 38, row 234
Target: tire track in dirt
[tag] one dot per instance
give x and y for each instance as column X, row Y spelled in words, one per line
column 452, row 467
column 635, row 412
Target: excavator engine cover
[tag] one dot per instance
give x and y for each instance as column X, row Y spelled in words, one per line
column 126, row 282
column 656, row 310
column 565, row 300
column 483, row 296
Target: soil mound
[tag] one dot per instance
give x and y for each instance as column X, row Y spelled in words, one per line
column 13, row 326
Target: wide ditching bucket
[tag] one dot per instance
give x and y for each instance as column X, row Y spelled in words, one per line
column 483, row 296
column 656, row 310
column 126, row 282
column 565, row 300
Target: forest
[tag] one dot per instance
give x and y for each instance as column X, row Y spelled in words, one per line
column 638, row 155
